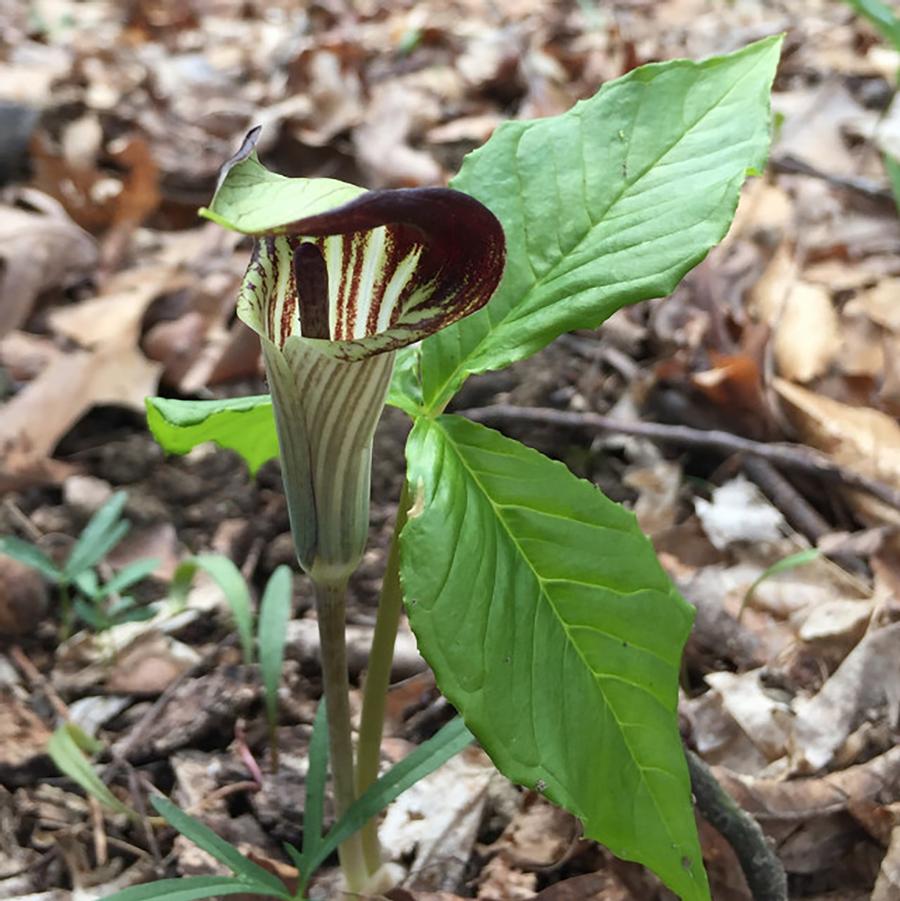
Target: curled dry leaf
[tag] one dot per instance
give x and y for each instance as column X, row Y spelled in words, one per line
column 859, row 438
column 887, row 886
column 437, row 820
column 868, row 679
column 805, row 326
column 764, row 719
column 38, row 251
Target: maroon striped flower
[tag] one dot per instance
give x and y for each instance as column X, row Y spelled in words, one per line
column 339, row 279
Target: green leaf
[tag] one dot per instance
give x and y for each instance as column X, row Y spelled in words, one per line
column 228, row 577
column 223, row 851
column 314, row 802
column 552, row 628
column 415, row 766
column 92, row 616
column 245, row 425
column 103, row 532
column 608, row 204
column 189, row 889
column 274, row 613
column 881, row 16
column 65, row 750
column 792, row 561
column 127, row 576
column 31, row 556
column 893, row 170
column 252, row 200
column 406, row 385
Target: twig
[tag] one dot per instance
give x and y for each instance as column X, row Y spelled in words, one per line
column 762, row 869
column 867, row 187
column 790, row 456
column 38, row 680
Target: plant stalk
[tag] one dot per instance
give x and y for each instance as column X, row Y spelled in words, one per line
column 378, row 677
column 331, row 607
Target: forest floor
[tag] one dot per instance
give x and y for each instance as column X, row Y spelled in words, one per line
column 114, row 120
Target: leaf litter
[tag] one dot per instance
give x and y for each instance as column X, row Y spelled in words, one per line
column 110, row 289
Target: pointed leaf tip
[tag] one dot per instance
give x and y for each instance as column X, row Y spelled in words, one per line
column 394, row 265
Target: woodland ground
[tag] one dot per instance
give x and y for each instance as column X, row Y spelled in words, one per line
column 114, row 118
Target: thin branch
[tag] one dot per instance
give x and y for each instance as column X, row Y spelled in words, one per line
column 788, row 456
column 867, row 187
column 762, row 869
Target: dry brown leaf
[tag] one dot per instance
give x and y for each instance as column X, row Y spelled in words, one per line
column 23, row 737
column 868, row 679
column 764, row 719
column 32, row 423
column 887, row 886
column 603, row 886
column 381, row 140
column 814, row 126
column 881, row 304
column 860, row 438
column 793, row 801
column 803, row 320
column 501, row 882
column 39, row 251
column 115, row 315
column 437, row 820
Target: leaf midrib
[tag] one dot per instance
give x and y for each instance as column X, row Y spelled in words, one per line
column 438, row 399
column 541, row 582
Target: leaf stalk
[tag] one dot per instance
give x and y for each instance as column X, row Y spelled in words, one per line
column 378, row 676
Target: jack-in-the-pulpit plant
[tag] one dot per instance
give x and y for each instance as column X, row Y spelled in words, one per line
column 539, row 604
column 338, row 280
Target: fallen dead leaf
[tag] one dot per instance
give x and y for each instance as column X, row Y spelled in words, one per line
column 738, row 512
column 804, row 323
column 603, row 886
column 40, row 250
column 23, row 740
column 887, row 886
column 868, row 679
column 116, row 373
column 859, row 438
column 437, row 821
column 764, row 718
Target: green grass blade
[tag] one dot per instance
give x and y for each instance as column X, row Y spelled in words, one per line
column 128, row 576
column 31, row 556
column 65, row 750
column 792, row 561
column 415, row 766
column 893, row 170
column 190, row 889
column 228, row 577
column 881, row 16
column 223, row 851
column 316, row 775
column 274, row 613
column 102, row 533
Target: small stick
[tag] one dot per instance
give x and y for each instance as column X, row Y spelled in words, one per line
column 790, row 456
column 762, row 869
column 38, row 680
column 790, row 165
column 99, row 831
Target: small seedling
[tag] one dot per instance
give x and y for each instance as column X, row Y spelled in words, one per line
column 271, row 629
column 81, row 593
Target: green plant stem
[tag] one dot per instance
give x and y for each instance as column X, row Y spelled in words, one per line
column 378, row 677
column 66, row 612
column 330, row 606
